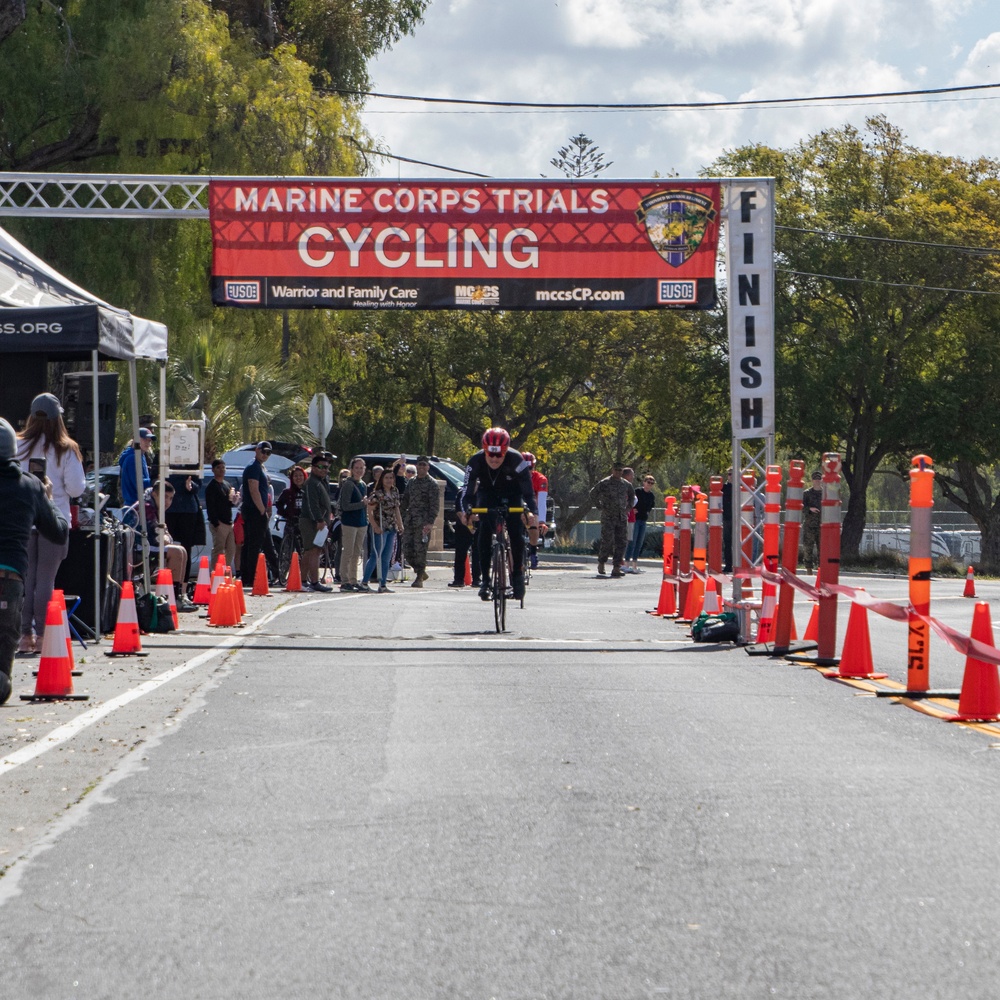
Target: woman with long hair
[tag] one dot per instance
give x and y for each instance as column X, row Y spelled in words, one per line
column 46, row 450
column 386, row 521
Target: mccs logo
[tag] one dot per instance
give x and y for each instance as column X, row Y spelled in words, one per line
column 675, row 222
column 243, row 291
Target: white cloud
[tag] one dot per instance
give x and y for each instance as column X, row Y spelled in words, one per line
column 618, row 51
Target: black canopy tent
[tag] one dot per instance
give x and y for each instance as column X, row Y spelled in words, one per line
column 45, row 316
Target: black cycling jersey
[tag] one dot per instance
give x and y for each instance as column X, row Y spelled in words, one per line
column 486, row 487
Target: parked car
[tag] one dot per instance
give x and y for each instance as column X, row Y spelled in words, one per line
column 445, row 469
column 110, row 488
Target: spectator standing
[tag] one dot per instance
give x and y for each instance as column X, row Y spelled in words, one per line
column 645, row 499
column 45, row 445
column 185, row 520
column 614, row 498
column 289, row 502
column 812, row 507
column 126, row 467
column 540, row 487
column 220, row 499
column 386, row 522
column 314, row 514
column 26, row 508
column 256, row 529
column 421, row 506
column 353, row 525
column 175, row 557
column 628, row 474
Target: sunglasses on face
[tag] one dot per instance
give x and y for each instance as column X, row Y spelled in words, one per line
column 323, row 468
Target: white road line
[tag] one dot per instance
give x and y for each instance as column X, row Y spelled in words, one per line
column 66, row 732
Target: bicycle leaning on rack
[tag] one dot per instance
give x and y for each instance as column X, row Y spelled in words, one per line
column 501, row 560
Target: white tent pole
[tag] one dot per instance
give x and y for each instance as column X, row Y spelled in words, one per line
column 137, row 455
column 95, row 413
column 163, row 468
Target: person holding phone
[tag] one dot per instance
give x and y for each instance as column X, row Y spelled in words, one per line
column 46, row 451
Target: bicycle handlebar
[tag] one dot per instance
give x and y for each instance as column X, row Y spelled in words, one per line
column 486, row 510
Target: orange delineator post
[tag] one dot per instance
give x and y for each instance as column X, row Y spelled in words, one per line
column 684, row 549
column 667, row 603
column 696, row 592
column 829, row 560
column 921, row 505
column 771, row 545
column 715, row 530
column 789, row 554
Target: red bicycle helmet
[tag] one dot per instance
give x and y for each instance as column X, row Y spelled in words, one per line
column 529, row 458
column 496, row 441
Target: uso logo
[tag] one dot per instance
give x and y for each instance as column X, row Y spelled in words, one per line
column 676, row 292
column 243, row 291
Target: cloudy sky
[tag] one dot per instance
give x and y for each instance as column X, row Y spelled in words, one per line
column 667, row 51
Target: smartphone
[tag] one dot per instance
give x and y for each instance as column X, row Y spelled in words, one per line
column 36, row 468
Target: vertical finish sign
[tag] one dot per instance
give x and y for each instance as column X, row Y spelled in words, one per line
column 749, row 214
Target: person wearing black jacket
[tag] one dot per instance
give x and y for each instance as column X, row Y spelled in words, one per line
column 495, row 475
column 220, row 498
column 26, row 505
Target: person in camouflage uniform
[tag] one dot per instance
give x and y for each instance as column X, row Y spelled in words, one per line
column 421, row 504
column 614, row 498
column 812, row 506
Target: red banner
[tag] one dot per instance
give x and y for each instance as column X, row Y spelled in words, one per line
column 347, row 243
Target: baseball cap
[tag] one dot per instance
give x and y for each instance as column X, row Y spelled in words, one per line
column 263, row 445
column 8, row 440
column 817, row 474
column 423, row 459
column 146, row 434
column 46, row 403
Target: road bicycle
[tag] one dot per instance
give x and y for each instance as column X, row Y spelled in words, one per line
column 291, row 541
column 501, row 561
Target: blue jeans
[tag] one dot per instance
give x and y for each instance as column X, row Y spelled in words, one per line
column 380, row 554
column 634, row 549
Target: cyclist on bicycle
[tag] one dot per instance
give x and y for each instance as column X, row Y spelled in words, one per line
column 494, row 476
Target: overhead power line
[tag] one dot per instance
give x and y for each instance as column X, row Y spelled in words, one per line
column 888, row 284
column 675, row 105
column 889, row 239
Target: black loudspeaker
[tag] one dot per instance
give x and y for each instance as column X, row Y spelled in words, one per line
column 22, row 377
column 78, row 402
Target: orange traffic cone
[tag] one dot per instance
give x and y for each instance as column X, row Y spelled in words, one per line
column 666, row 606
column 769, row 606
column 127, row 641
column 219, row 577
column 223, row 612
column 468, row 571
column 712, row 605
column 294, row 581
column 979, row 700
column 241, row 601
column 856, row 658
column 203, row 586
column 811, row 633
column 693, row 601
column 970, row 583
column 59, row 596
column 55, row 675
column 260, row 588
column 165, row 588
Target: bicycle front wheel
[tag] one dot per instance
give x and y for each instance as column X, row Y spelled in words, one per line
column 499, row 586
column 285, row 555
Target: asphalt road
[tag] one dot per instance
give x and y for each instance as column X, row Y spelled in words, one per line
column 377, row 797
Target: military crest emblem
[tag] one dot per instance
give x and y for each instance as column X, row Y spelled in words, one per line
column 675, row 222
